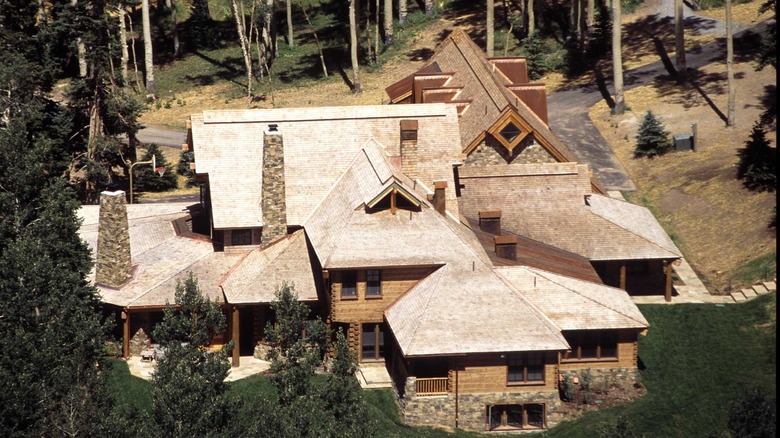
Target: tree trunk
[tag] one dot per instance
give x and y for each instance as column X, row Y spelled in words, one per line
column 353, row 47
column 591, row 13
column 245, row 46
column 316, row 39
column 531, row 17
column 402, row 12
column 80, row 49
column 132, row 49
column 174, row 31
column 290, row 40
column 490, row 27
column 370, row 57
column 376, row 32
column 388, row 23
column 730, row 67
column 617, row 58
column 429, row 8
column 148, row 53
column 123, row 43
column 679, row 33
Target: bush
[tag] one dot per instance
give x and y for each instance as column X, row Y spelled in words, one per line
column 567, row 388
column 621, row 428
column 753, row 415
column 586, row 380
column 652, row 138
column 757, row 166
column 147, row 179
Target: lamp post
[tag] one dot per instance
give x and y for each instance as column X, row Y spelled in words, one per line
column 153, row 162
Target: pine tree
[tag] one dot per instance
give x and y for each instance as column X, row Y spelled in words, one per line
column 147, row 179
column 652, row 138
column 189, row 389
column 535, row 52
column 757, row 167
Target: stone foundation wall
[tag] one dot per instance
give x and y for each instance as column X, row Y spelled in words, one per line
column 440, row 410
column 606, row 377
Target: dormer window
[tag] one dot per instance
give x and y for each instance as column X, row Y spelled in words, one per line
column 510, row 132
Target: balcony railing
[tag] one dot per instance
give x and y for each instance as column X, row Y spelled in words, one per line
column 431, row 386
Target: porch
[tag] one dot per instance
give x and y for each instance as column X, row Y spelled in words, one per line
column 249, row 366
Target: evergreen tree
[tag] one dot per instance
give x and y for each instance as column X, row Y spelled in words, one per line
column 183, row 168
column 296, row 352
column 189, row 390
column 147, row 179
column 757, row 167
column 599, row 43
column 535, row 52
column 768, row 50
column 652, row 138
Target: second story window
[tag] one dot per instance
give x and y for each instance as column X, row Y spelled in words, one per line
column 373, row 283
column 349, row 284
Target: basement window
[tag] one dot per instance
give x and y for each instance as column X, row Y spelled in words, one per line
column 515, row 416
column 241, row 237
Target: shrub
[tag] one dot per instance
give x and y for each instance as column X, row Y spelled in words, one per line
column 757, row 166
column 621, row 428
column 753, row 415
column 567, row 388
column 652, row 138
column 586, row 380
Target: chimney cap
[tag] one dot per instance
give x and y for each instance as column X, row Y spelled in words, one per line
column 273, row 127
column 440, row 184
column 409, row 125
column 114, row 193
column 490, row 214
column 505, row 240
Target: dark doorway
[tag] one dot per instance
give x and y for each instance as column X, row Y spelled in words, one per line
column 246, row 331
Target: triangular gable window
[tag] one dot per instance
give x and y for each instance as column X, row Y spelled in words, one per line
column 395, row 196
column 510, row 132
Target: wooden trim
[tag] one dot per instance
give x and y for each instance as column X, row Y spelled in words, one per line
column 126, row 334
column 668, row 291
column 623, row 276
column 236, row 337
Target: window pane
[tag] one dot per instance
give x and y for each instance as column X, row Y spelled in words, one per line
column 368, row 342
column 494, row 416
column 608, row 344
column 535, row 367
column 589, row 343
column 349, row 284
column 373, row 283
column 514, row 416
column 510, row 132
column 381, row 342
column 535, row 415
column 241, row 237
column 515, row 369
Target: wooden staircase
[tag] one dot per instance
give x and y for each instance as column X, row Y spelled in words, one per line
column 762, row 288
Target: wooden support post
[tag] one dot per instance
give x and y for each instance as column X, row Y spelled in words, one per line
column 126, row 334
column 236, row 338
column 392, row 201
column 623, row 276
column 668, row 293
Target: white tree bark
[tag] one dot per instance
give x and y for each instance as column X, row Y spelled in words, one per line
column 402, row 12
column 123, row 43
column 679, row 33
column 490, row 27
column 730, row 67
column 617, row 58
column 80, row 49
column 388, row 21
column 353, row 47
column 171, row 4
column 238, row 15
column 148, row 51
column 531, row 17
column 290, row 40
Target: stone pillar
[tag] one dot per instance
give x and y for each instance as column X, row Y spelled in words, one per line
column 113, row 266
column 274, row 198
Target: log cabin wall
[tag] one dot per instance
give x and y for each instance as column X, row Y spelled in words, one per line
column 487, row 373
column 626, row 355
column 394, row 283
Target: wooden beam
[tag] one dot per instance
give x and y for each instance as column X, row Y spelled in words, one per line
column 668, row 293
column 235, row 337
column 126, row 334
column 392, row 200
column 623, row 275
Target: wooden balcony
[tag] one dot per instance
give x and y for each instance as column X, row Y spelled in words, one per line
column 431, row 386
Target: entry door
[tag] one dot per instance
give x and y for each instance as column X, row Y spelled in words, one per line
column 372, row 342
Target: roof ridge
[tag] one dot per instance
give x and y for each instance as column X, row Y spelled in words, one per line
column 543, row 318
column 542, row 273
column 439, row 274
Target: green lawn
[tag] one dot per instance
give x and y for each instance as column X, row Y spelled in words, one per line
column 695, row 359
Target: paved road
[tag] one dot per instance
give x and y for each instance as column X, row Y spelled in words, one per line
column 162, row 136
column 568, row 110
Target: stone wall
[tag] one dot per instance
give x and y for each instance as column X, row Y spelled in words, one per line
column 274, row 198
column 113, row 266
column 440, row 410
column 607, row 377
column 491, row 152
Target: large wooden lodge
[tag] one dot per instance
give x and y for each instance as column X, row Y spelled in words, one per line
column 478, row 284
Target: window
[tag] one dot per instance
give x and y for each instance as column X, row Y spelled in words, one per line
column 510, row 132
column 525, row 368
column 372, row 342
column 348, row 284
column 373, row 283
column 509, row 417
column 241, row 237
column 591, row 345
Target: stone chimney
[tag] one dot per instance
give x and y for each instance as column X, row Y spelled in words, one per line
column 439, row 202
column 490, row 221
column 506, row 247
column 113, row 266
column 274, row 200
column 409, row 156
